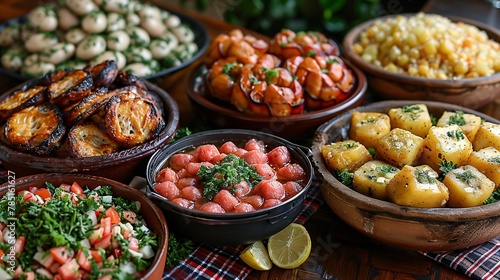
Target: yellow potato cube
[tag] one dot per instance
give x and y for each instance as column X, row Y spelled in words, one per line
column 414, row 118
column 469, row 123
column 446, row 143
column 468, row 187
column 372, row 177
column 488, row 135
column 487, row 161
column 345, row 155
column 417, row 187
column 368, row 127
column 399, row 147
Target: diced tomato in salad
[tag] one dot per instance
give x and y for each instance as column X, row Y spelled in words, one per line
column 72, row 232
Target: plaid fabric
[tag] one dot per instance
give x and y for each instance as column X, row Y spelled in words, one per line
column 481, row 262
column 208, row 262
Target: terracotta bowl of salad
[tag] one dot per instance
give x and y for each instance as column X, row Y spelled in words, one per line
column 73, row 225
column 229, row 187
column 409, row 224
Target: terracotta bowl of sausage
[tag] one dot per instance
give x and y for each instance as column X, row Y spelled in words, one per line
column 55, row 197
column 433, row 61
column 229, row 187
column 96, row 120
column 286, row 86
column 379, row 192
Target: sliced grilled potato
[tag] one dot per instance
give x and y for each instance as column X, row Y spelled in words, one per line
column 20, row 99
column 71, row 88
column 37, row 129
column 80, row 111
column 88, row 140
column 131, row 119
column 103, row 73
column 128, row 79
column 52, row 77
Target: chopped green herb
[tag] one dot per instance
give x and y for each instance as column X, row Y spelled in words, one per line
column 332, row 61
column 457, row 134
column 178, row 250
column 494, row 197
column 465, row 176
column 457, row 118
column 494, row 160
column 411, row 108
column 226, row 173
column 226, row 69
column 424, row 177
column 271, row 74
column 384, row 169
column 445, row 167
column 372, row 151
column 345, row 177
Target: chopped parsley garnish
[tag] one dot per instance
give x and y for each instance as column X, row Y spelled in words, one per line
column 494, row 160
column 345, row 177
column 424, row 177
column 271, row 74
column 372, row 151
column 178, row 250
column 411, row 109
column 226, row 69
column 494, row 197
column 445, row 167
column 457, row 118
column 254, row 80
column 465, row 176
column 226, row 173
column 349, row 145
column 384, row 169
column 457, row 134
column 332, row 61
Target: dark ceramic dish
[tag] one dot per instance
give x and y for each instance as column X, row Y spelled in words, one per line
column 471, row 93
column 424, row 229
column 120, row 166
column 228, row 228
column 223, row 115
column 152, row 214
column 202, row 40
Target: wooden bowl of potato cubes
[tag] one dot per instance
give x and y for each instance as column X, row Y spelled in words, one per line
column 418, row 175
column 428, row 57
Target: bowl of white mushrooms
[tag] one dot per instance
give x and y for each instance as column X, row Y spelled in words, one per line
column 143, row 39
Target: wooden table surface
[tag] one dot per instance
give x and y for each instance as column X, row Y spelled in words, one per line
column 339, row 252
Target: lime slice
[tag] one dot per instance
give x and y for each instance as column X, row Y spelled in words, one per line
column 290, row 247
column 256, row 256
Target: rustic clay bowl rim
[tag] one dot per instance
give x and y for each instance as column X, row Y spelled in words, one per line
column 198, row 93
column 158, row 219
column 373, row 205
column 353, row 36
column 171, row 116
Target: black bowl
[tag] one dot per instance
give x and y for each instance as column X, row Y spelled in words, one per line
column 228, row 228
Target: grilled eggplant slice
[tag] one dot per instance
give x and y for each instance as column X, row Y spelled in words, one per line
column 71, row 88
column 103, row 73
column 88, row 140
column 128, row 79
column 131, row 119
column 36, row 129
column 82, row 110
column 21, row 99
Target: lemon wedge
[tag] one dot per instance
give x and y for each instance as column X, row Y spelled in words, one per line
column 256, row 256
column 290, row 247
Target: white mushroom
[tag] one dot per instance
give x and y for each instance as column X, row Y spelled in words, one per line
column 67, row 19
column 43, row 18
column 12, row 60
column 9, row 35
column 139, row 69
column 171, row 39
column 153, row 26
column 183, row 33
column 38, row 69
column 90, row 47
column 118, row 40
column 75, row 35
column 191, row 48
column 160, row 48
column 172, row 21
column 138, row 54
column 57, row 53
column 115, row 22
column 94, row 22
column 138, row 36
column 118, row 57
column 32, row 58
column 149, row 11
column 39, row 41
column 81, row 7
column 118, row 6
column 133, row 19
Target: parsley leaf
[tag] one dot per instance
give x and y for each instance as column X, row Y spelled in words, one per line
column 178, row 250
column 345, row 177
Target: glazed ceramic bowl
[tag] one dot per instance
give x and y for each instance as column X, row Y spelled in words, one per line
column 121, row 166
column 152, row 214
column 224, row 115
column 471, row 92
column 228, row 228
column 424, row 229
